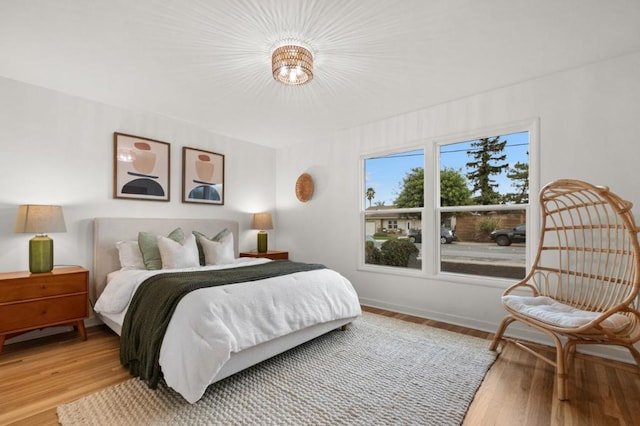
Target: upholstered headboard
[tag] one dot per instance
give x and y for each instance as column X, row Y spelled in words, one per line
column 107, row 231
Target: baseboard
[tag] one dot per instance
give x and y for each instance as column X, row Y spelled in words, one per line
column 92, row 321
column 432, row 315
column 516, row 330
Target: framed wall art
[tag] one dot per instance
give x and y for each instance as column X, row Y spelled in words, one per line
column 202, row 176
column 140, row 168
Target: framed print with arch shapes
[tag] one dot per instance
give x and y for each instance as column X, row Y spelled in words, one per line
column 202, row 176
column 140, row 168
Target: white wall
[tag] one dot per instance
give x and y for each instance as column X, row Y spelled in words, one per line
column 589, row 130
column 58, row 149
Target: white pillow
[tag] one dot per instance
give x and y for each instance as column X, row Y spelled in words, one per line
column 176, row 254
column 130, row 255
column 218, row 252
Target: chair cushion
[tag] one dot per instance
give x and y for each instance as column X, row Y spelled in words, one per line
column 552, row 312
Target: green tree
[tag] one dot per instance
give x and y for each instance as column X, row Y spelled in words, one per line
column 519, row 176
column 412, row 192
column 453, row 188
column 398, row 252
column 372, row 254
column 487, row 155
column 371, row 194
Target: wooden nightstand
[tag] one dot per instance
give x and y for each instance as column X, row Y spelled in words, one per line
column 270, row 254
column 31, row 301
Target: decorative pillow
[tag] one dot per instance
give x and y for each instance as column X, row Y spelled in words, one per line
column 220, row 235
column 218, row 252
column 176, row 254
column 130, row 255
column 148, row 242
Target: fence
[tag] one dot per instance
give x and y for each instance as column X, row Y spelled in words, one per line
column 468, row 228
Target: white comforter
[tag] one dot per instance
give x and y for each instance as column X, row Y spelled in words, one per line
column 210, row 324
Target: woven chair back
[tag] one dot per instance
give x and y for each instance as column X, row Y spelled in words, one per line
column 588, row 254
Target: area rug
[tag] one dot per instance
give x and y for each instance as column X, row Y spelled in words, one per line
column 379, row 371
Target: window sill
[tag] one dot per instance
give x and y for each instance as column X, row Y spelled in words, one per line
column 452, row 277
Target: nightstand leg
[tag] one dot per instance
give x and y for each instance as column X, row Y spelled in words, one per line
column 2, row 336
column 82, row 330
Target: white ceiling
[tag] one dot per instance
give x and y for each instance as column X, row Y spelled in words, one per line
column 208, row 61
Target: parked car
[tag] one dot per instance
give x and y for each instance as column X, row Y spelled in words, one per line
column 446, row 236
column 504, row 237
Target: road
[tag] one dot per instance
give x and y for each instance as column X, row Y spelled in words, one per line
column 514, row 254
column 484, row 252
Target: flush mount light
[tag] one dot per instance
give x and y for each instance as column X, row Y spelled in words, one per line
column 292, row 64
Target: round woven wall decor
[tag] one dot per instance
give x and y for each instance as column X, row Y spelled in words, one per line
column 304, row 187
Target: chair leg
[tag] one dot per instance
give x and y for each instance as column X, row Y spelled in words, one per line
column 563, row 355
column 498, row 336
column 635, row 354
column 571, row 354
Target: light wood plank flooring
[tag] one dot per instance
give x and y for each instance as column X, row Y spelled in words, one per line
column 38, row 375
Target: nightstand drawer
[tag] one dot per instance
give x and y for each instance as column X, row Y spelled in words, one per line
column 44, row 312
column 44, row 285
column 282, row 255
column 269, row 254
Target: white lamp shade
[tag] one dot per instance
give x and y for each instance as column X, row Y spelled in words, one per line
column 39, row 219
column 262, row 221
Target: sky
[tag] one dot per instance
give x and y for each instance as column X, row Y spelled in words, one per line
column 385, row 174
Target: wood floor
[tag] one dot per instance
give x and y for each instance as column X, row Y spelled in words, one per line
column 38, row 375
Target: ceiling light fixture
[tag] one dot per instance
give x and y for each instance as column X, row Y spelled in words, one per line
column 292, row 64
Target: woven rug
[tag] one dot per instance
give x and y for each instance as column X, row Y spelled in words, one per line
column 380, row 371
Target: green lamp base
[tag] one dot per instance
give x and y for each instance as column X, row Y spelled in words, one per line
column 40, row 254
column 262, row 242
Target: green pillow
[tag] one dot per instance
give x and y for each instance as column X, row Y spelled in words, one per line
column 220, row 235
column 148, row 242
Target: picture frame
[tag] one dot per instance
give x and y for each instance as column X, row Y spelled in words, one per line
column 202, row 176
column 141, row 168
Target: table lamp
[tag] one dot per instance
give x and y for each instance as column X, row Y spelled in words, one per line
column 40, row 219
column 262, row 221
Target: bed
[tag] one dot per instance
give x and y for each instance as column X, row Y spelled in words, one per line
column 297, row 307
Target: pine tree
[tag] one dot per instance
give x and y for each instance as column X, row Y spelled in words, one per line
column 519, row 176
column 487, row 155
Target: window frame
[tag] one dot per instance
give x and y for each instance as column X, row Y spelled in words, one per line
column 431, row 211
column 394, row 270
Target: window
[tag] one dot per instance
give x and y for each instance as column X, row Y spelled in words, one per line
column 484, row 197
column 478, row 200
column 392, row 209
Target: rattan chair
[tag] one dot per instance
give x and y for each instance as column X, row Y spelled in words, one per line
column 583, row 286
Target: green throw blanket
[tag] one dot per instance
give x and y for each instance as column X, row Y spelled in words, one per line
column 156, row 299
